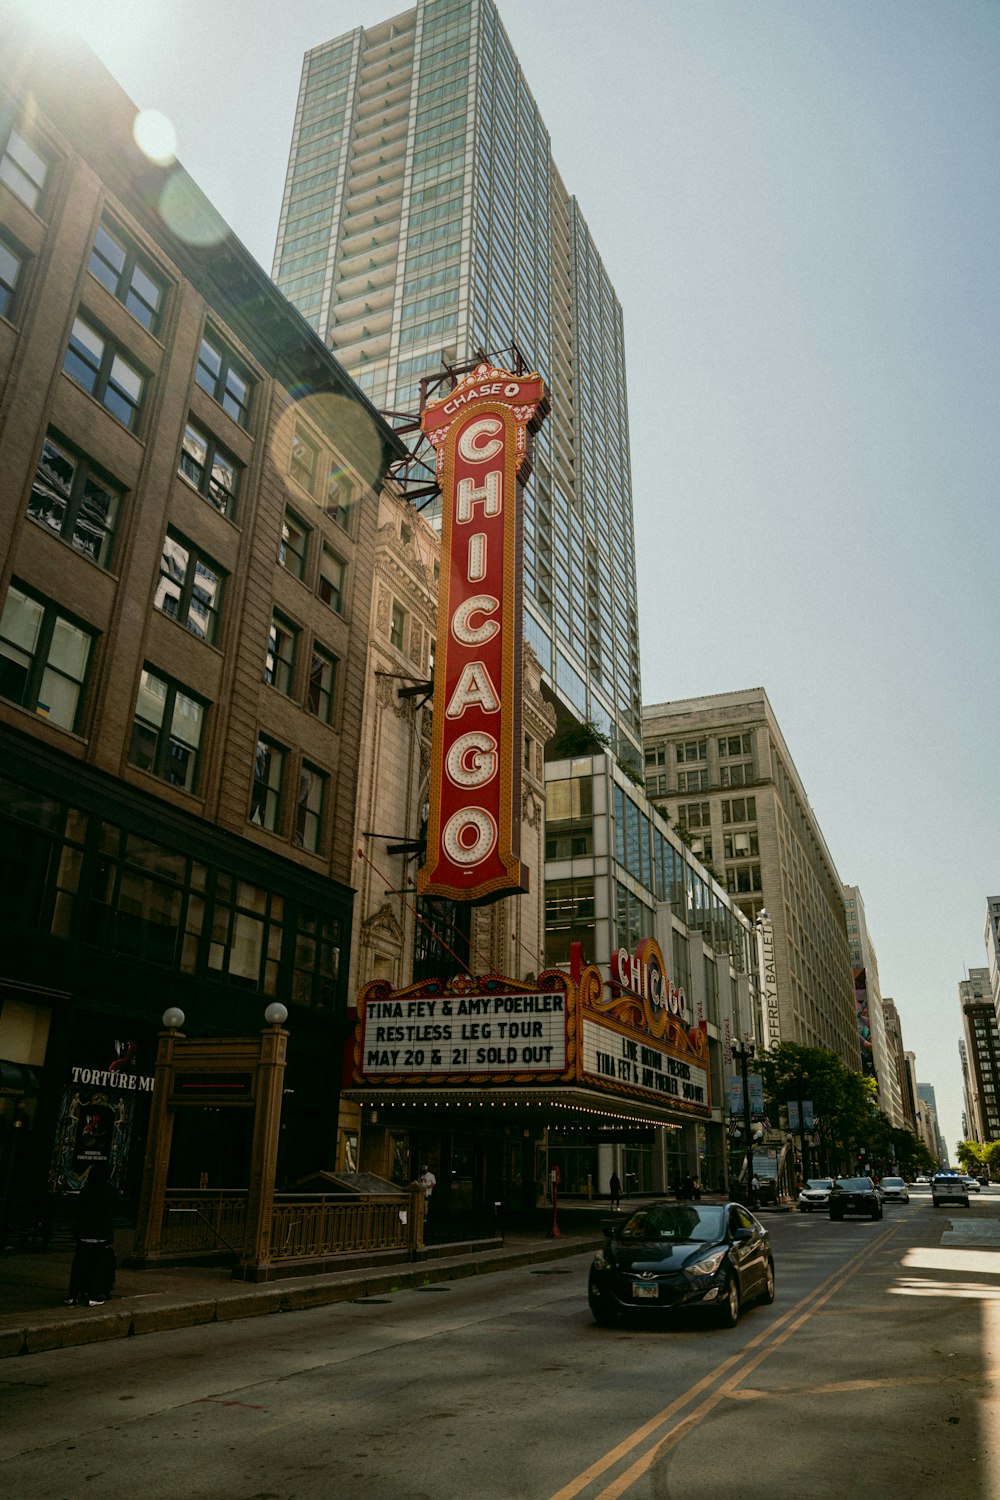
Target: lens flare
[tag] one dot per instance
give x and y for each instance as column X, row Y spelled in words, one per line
column 155, row 136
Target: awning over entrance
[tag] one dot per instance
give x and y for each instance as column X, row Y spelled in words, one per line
column 19, row 1080
column 564, row 1107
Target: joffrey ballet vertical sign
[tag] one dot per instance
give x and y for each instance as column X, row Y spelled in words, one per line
column 481, row 432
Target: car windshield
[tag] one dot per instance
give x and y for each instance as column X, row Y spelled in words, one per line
column 819, row 1184
column 892, row 1182
column 701, row 1223
column 854, row 1184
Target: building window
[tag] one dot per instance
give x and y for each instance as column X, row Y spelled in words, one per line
column 118, row 266
column 322, row 683
column 692, row 750
column 742, row 845
column 166, row 731
column 268, row 772
column 331, row 580
column 223, row 376
column 397, row 626
column 317, row 960
column 734, row 744
column 213, row 472
column 93, row 361
column 74, row 499
column 692, row 781
column 279, row 663
column 190, row 587
column 309, row 810
column 737, row 775
column 739, row 810
column 656, row 786
column 305, row 457
column 340, row 495
column 293, row 544
column 43, row 658
column 742, row 878
column 656, row 755
column 24, row 170
column 12, row 263
column 694, row 815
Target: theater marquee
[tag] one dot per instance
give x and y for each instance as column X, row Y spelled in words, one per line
column 481, row 432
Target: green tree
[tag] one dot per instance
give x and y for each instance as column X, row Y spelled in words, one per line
column 973, row 1157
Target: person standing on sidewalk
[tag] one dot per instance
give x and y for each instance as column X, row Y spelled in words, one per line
column 615, row 1191
column 93, row 1272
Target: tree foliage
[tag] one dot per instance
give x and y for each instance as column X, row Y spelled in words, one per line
column 852, row 1130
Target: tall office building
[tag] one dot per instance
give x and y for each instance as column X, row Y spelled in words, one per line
column 981, row 1060
column 720, row 769
column 878, row 1058
column 423, row 221
column 894, row 1042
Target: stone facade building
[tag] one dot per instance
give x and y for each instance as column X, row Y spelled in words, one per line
column 720, row 769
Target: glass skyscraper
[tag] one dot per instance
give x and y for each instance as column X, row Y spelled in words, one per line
column 423, row 221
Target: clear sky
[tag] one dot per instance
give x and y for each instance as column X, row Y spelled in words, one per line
column 798, row 205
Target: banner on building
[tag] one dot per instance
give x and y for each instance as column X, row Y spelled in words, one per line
column 770, row 1018
column 481, row 432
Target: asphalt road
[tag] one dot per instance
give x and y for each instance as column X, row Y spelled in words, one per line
column 874, row 1371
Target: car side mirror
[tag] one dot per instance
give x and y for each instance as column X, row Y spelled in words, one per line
column 742, row 1233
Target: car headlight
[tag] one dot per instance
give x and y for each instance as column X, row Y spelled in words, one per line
column 707, row 1265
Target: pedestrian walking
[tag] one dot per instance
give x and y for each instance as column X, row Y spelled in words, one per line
column 687, row 1188
column 92, row 1275
column 615, row 1190
column 428, row 1182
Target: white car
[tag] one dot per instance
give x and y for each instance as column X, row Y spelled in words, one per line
column 894, row 1190
column 815, row 1194
column 972, row 1183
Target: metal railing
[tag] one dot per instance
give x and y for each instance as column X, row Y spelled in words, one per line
column 303, row 1226
column 306, row 1227
column 196, row 1221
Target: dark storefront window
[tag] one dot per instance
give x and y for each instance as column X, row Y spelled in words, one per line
column 144, row 900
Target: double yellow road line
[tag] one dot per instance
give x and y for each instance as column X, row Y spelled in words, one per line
column 665, row 1430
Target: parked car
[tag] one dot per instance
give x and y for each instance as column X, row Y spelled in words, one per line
column 949, row 1187
column 972, row 1183
column 815, row 1194
column 894, row 1190
column 667, row 1256
column 855, row 1195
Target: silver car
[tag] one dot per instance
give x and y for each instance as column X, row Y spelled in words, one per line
column 815, row 1194
column 894, row 1190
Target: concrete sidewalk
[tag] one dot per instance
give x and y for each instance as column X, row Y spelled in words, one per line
column 34, row 1285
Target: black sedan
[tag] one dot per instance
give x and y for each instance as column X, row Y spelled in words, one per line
column 855, row 1195
column 668, row 1256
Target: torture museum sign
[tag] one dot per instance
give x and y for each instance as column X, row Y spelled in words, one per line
column 481, row 433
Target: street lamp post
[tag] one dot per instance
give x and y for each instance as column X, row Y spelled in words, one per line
column 802, row 1127
column 744, row 1053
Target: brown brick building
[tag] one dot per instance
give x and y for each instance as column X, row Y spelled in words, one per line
column 189, row 515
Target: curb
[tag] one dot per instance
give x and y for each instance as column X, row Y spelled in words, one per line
column 26, row 1337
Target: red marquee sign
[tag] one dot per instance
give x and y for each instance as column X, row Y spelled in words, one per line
column 481, row 433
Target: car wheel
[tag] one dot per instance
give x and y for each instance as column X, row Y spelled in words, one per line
column 729, row 1309
column 603, row 1315
column 767, row 1295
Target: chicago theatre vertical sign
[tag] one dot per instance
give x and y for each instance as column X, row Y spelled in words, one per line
column 481, row 432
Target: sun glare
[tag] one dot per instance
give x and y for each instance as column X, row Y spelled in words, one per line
column 155, row 136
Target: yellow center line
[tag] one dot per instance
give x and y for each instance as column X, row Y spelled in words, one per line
column 772, row 1338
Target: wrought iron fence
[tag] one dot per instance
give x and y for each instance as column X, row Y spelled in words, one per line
column 198, row 1221
column 307, row 1227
